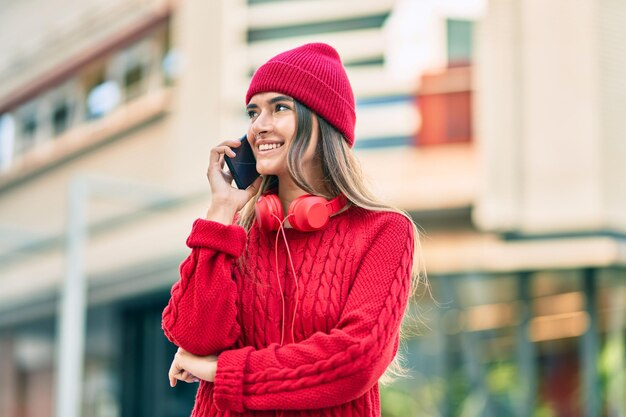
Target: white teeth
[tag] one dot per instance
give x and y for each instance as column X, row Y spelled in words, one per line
column 269, row 146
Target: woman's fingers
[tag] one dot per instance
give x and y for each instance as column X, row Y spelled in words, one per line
column 229, row 152
column 216, row 168
column 172, row 374
column 175, row 372
column 221, row 180
column 232, row 142
column 227, row 145
column 188, row 377
column 218, row 151
column 228, row 177
column 184, row 376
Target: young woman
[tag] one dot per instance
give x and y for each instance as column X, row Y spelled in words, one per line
column 292, row 297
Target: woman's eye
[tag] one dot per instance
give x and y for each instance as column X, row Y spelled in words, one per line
column 281, row 107
column 251, row 114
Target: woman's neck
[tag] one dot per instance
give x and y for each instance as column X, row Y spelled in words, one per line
column 287, row 192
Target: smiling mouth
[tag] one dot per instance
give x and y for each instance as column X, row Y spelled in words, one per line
column 268, row 147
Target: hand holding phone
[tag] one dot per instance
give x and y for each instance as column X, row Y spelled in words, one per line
column 243, row 165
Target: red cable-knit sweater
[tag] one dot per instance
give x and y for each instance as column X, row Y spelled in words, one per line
column 353, row 278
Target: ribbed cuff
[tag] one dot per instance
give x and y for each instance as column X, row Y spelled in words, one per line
column 230, row 239
column 228, row 384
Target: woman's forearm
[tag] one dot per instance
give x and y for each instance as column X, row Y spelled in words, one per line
column 201, row 315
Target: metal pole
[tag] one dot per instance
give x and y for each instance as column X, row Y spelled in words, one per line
column 71, row 341
column 443, row 340
column 590, row 347
column 616, row 386
column 526, row 362
column 73, row 306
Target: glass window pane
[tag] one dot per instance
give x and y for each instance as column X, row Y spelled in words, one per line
column 612, row 354
column 459, row 35
column 510, row 344
column 60, row 117
column 7, row 140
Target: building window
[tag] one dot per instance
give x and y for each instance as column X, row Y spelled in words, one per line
column 133, row 81
column 252, row 2
column 61, row 113
column 170, row 66
column 102, row 99
column 7, row 140
column 529, row 343
column 28, row 128
column 89, row 92
column 170, row 59
column 324, row 27
column 91, row 77
column 459, row 42
column 134, row 66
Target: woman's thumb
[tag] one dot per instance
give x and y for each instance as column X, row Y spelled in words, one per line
column 254, row 187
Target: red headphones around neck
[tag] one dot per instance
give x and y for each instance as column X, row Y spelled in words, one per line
column 307, row 213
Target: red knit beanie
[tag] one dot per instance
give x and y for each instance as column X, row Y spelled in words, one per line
column 313, row 75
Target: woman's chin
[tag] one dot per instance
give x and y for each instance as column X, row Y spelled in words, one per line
column 267, row 169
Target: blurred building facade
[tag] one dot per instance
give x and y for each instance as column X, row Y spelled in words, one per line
column 498, row 133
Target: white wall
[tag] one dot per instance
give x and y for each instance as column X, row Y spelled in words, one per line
column 546, row 111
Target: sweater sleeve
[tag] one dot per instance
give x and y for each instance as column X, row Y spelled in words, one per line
column 201, row 315
column 329, row 369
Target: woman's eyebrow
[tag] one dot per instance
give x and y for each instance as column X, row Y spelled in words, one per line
column 271, row 101
column 280, row 98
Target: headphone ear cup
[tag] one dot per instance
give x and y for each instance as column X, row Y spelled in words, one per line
column 309, row 213
column 268, row 206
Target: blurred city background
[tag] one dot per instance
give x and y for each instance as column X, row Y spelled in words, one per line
column 498, row 124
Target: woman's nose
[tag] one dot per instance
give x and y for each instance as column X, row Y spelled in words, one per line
column 262, row 124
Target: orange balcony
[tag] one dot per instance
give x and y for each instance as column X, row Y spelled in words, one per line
column 444, row 103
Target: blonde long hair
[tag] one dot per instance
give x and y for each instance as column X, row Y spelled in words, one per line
column 342, row 174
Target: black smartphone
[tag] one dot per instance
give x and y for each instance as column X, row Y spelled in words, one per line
column 243, row 165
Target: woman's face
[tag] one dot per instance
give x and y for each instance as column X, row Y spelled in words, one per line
column 272, row 129
column 273, row 124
